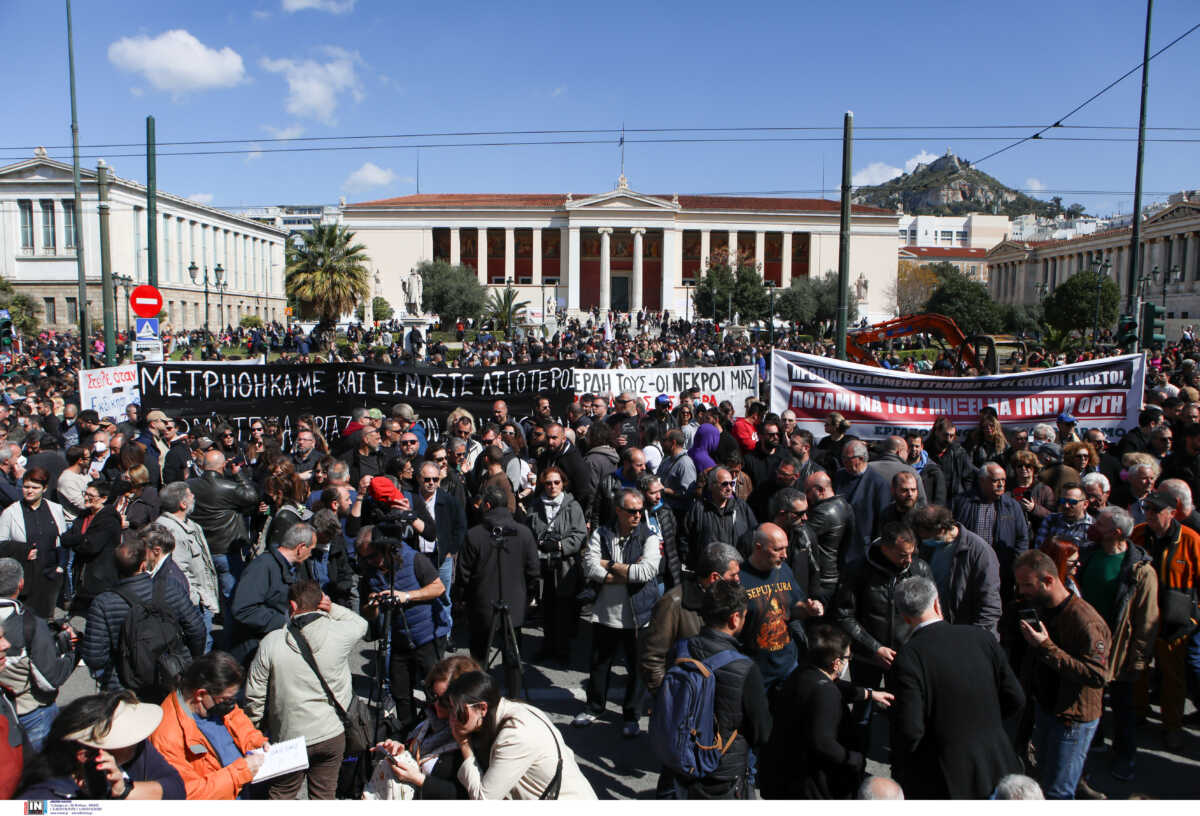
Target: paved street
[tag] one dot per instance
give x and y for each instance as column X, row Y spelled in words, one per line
column 625, row 768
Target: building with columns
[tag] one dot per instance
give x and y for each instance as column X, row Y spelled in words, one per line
column 38, row 230
column 1021, row 272
column 622, row 250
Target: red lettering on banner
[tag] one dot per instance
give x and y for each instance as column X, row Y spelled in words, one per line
column 891, row 407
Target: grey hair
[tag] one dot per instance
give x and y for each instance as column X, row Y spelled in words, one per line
column 985, row 470
column 856, row 447
column 458, row 443
column 1096, row 479
column 299, row 533
column 1043, row 432
column 716, row 558
column 879, row 787
column 11, row 573
column 170, row 498
column 914, row 596
column 1154, row 469
column 1120, row 519
column 339, row 470
column 5, row 453
column 625, row 493
column 1178, row 490
column 358, row 413
column 156, row 535
column 1018, row 786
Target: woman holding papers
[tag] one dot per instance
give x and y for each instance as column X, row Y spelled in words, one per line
column 204, row 734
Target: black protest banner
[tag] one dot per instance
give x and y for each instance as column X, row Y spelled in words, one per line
column 203, row 395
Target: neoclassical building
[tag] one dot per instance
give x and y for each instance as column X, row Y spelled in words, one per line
column 1023, row 271
column 38, row 229
column 622, row 250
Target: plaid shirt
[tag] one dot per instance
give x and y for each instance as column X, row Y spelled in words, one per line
column 1057, row 524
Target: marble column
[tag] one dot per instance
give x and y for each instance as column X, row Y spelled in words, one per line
column 510, row 255
column 733, row 250
column 672, row 275
column 635, row 282
column 785, row 274
column 481, row 253
column 571, row 251
column 705, row 249
column 760, row 252
column 605, row 270
column 455, row 246
column 537, row 259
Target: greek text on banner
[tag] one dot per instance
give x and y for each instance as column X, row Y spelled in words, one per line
column 717, row 383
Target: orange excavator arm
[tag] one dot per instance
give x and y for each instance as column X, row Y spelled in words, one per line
column 934, row 324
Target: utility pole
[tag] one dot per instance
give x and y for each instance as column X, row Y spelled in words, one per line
column 79, row 263
column 108, row 293
column 843, row 312
column 151, row 205
column 1136, row 237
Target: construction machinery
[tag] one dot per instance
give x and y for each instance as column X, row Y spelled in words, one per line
column 985, row 353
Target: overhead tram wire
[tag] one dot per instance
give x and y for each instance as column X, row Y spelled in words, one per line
column 1088, row 101
column 560, row 132
column 561, row 142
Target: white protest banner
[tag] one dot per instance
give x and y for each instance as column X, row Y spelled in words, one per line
column 733, row 383
column 108, row 390
column 877, row 402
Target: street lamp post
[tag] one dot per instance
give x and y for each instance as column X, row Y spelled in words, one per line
column 771, row 311
column 510, row 296
column 221, row 287
column 1101, row 269
column 218, row 276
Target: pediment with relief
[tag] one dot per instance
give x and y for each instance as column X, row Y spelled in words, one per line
column 622, row 198
column 1176, row 212
column 40, row 170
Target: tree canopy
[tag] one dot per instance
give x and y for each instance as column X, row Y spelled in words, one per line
column 967, row 301
column 914, row 286
column 380, row 308
column 22, row 308
column 812, row 303
column 504, row 309
column 453, row 292
column 327, row 271
column 720, row 281
column 1072, row 304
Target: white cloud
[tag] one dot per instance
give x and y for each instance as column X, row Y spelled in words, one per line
column 559, row 91
column 332, row 6
column 201, row 198
column 289, row 132
column 255, row 153
column 368, row 176
column 924, row 157
column 874, row 173
column 260, row 14
column 1035, row 185
column 316, row 88
column 177, row 62
column 137, row 91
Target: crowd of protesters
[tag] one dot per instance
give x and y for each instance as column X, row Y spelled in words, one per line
column 1038, row 583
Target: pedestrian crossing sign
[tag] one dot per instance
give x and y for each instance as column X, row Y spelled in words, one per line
column 147, row 328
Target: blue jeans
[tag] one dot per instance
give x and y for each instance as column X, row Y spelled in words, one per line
column 225, row 578
column 446, row 573
column 1062, row 748
column 36, row 724
column 207, row 615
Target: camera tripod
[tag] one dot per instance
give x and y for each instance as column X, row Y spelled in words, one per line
column 509, row 649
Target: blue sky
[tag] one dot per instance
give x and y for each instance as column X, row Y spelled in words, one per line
column 316, row 68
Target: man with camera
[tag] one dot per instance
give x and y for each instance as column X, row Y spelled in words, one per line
column 403, row 582
column 497, row 570
column 41, row 660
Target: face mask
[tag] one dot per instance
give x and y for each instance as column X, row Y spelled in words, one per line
column 100, row 447
column 220, row 711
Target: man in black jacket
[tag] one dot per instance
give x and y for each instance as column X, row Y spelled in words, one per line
column 498, row 564
column 365, row 458
column 93, row 538
column 260, row 602
column 563, row 454
column 219, row 507
column 740, row 702
column 954, row 689
column 719, row 516
column 102, row 634
column 831, row 520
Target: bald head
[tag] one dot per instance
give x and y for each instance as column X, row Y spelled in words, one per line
column 770, row 546
column 214, row 460
column 818, row 486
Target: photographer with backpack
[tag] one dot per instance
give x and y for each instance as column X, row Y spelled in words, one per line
column 706, row 723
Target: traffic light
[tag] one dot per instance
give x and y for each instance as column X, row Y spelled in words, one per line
column 6, row 331
column 1153, row 326
column 1127, row 336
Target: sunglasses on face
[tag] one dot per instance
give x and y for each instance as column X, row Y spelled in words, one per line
column 408, row 441
column 441, row 460
column 633, row 511
column 549, row 482
column 727, row 484
column 430, row 479
column 1069, row 502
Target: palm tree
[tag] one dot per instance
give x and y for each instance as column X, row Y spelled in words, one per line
column 504, row 309
column 327, row 272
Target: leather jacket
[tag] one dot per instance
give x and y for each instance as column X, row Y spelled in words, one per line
column 832, row 523
column 865, row 606
column 220, row 505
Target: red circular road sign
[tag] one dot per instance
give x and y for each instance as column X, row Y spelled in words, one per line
column 146, row 301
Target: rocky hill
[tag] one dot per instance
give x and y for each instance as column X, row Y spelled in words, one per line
column 950, row 186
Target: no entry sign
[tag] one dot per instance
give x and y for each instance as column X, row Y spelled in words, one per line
column 146, row 301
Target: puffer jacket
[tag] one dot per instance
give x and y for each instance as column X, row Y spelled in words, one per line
column 283, row 693
column 220, row 505
column 1135, row 624
column 865, row 605
column 183, row 744
column 835, row 529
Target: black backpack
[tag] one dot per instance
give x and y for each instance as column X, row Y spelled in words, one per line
column 150, row 651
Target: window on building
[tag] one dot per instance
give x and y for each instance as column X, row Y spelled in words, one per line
column 903, row 235
column 26, row 208
column 961, row 236
column 48, row 225
column 72, row 310
column 973, row 269
column 69, row 227
column 48, row 312
column 947, row 235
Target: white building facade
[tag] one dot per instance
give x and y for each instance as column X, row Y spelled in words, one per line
column 623, row 250
column 975, row 231
column 38, row 249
